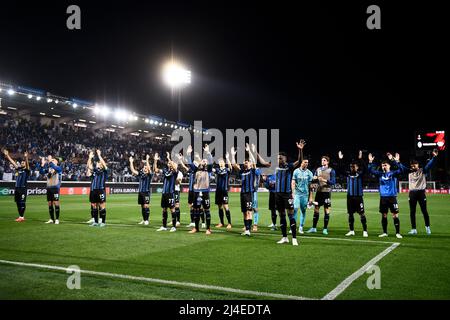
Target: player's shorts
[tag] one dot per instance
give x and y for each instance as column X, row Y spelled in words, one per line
column 255, row 200
column 176, row 196
column 20, row 194
column 167, row 200
column 246, row 201
column 221, row 197
column 52, row 194
column 355, row 204
column 417, row 196
column 144, row 198
column 97, row 196
column 323, row 199
column 284, row 201
column 272, row 205
column 201, row 199
column 300, row 201
column 191, row 197
column 388, row 203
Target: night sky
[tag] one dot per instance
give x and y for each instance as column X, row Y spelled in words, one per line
column 314, row 71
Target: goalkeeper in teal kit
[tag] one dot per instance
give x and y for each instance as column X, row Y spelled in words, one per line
column 301, row 180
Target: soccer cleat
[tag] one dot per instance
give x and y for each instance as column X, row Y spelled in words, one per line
column 229, row 226
column 413, row 231
column 399, row 236
column 102, row 225
column 173, row 229
column 271, row 225
column 219, row 225
column 49, row 221
column 20, row 219
column 93, row 224
column 312, row 230
column 90, row 221
column 162, row 229
column 142, row 222
column 383, row 235
column 294, row 242
column 300, row 230
column 283, row 240
column 208, row 231
column 255, row 228
column 274, row 228
column 193, row 231
column 246, row 233
column 365, row 234
column 428, row 230
column 350, row 233
column 178, row 224
column 146, row 223
column 56, row 221
column 325, row 232
column 192, row 224
column 203, row 225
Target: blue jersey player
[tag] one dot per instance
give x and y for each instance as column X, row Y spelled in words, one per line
column 22, row 174
column 97, row 170
column 269, row 184
column 53, row 172
column 145, row 176
column 222, row 172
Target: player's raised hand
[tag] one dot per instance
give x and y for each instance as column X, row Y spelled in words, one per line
column 131, row 159
column 371, row 158
column 206, row 148
column 390, row 156
column 156, row 157
column 189, row 149
column 99, row 153
column 25, row 154
column 301, row 144
column 5, row 152
column 397, row 157
column 227, row 156
column 435, row 152
column 147, row 157
column 168, row 155
column 253, row 148
column 91, row 154
column 247, row 147
column 340, row 155
column 360, row 155
column 233, row 151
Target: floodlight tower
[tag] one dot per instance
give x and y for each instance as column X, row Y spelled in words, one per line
column 176, row 76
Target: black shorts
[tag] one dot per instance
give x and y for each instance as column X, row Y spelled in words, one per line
column 52, row 194
column 388, row 203
column 417, row 196
column 272, row 201
column 20, row 194
column 355, row 204
column 97, row 196
column 201, row 199
column 144, row 198
column 176, row 196
column 246, row 201
column 191, row 197
column 167, row 200
column 221, row 197
column 284, row 201
column 323, row 199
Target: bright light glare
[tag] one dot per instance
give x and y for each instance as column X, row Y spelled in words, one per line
column 30, row 96
column 175, row 75
column 121, row 115
column 11, row 92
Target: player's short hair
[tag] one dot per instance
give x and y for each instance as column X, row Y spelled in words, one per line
column 414, row 161
column 305, row 159
column 385, row 161
column 326, row 158
column 283, row 154
column 354, row 163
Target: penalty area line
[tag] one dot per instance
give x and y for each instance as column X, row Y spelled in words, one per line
column 159, row 281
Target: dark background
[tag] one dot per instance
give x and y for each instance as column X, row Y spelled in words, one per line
column 312, row 70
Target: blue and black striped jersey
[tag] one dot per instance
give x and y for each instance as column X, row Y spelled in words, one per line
column 222, row 178
column 169, row 180
column 22, row 175
column 355, row 184
column 248, row 178
column 283, row 178
column 99, row 177
column 145, row 180
column 270, row 182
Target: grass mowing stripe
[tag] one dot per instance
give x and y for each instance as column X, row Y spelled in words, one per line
column 160, row 281
column 347, row 282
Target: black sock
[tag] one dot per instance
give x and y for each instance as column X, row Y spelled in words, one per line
column 351, row 221
column 228, row 214
column 143, row 213
column 164, row 219
column 192, row 214
column 95, row 215
column 364, row 221
column 103, row 215
column 315, row 219
column 426, row 217
column 247, row 224
column 22, row 210
column 146, row 214
column 178, row 213
column 326, row 219
column 197, row 219
column 93, row 211
column 397, row 224
column 384, row 223
column 202, row 215
column 174, row 219
column 57, row 212
column 221, row 216
column 51, row 211
column 208, row 219
column 274, row 216
column 283, row 226
column 293, row 224
column 412, row 216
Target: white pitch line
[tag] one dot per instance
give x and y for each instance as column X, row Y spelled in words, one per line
column 161, row 281
column 347, row 282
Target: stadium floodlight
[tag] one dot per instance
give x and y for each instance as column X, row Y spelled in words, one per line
column 160, row 123
column 120, row 115
column 38, row 98
column 75, row 105
column 49, row 100
column 30, row 96
column 175, row 75
column 11, row 92
column 56, row 101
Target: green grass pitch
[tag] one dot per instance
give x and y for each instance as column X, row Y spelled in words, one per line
column 416, row 269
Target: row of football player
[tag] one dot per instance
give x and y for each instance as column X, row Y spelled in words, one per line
column 290, row 189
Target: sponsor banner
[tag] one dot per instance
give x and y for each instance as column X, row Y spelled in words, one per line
column 434, row 191
column 123, row 190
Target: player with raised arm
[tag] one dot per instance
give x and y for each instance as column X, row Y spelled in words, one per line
column 388, row 191
column 99, row 173
column 188, row 171
column 255, row 193
column 284, row 193
column 269, row 184
column 145, row 176
column 53, row 172
column 417, row 185
column 176, row 194
column 355, row 200
column 202, row 177
column 22, row 174
column 169, row 174
column 326, row 178
column 301, row 181
column 222, row 172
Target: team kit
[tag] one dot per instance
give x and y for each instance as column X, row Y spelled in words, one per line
column 291, row 188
